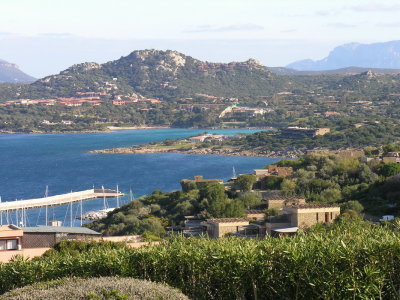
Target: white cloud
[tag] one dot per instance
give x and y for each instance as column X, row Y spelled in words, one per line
column 341, row 25
column 233, row 27
column 375, row 7
column 389, row 24
column 56, row 34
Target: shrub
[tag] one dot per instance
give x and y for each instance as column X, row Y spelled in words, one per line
column 95, row 288
column 246, row 182
column 351, row 259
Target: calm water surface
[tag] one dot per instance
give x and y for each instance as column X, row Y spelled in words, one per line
column 30, row 162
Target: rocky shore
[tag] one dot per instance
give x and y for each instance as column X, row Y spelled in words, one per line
column 203, row 151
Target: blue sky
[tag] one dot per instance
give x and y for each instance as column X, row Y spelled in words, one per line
column 44, row 36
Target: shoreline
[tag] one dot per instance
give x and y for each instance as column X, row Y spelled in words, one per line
column 114, row 129
column 204, row 151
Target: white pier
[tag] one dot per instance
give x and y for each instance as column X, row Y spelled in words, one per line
column 58, row 199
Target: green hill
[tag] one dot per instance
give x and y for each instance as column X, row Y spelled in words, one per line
column 166, row 74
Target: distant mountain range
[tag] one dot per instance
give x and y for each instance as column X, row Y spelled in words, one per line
column 172, row 75
column 11, row 73
column 378, row 55
column 343, row 71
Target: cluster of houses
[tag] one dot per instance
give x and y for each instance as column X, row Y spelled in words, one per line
column 81, row 98
column 63, row 122
column 390, row 157
column 210, row 138
column 291, row 213
column 242, row 110
column 299, row 132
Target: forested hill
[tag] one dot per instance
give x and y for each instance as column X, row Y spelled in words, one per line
column 166, row 74
column 171, row 75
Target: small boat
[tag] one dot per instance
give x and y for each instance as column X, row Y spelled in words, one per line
column 95, row 214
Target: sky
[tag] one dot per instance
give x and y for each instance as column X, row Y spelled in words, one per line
column 44, row 37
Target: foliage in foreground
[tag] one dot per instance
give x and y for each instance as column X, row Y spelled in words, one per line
column 95, row 289
column 342, row 261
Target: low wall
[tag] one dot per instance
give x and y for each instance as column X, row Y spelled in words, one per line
column 5, row 256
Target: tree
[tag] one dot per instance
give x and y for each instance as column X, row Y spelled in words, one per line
column 250, row 199
column 216, row 199
column 245, row 182
column 234, row 208
column 390, row 169
column 288, row 187
column 391, row 148
column 331, row 195
column 352, row 205
column 272, row 182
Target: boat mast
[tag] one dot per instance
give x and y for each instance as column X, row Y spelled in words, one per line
column 46, row 194
column 117, row 196
column 70, row 211
column 81, row 213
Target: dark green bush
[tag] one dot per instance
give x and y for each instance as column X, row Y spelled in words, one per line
column 96, row 289
column 349, row 260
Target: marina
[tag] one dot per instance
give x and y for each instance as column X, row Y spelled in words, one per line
column 20, row 207
column 59, row 199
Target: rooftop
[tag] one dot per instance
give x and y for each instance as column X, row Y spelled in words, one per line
column 285, row 229
column 8, row 227
column 281, row 197
column 227, row 220
column 59, row 229
column 313, row 205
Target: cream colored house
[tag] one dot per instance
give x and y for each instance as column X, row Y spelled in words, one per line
column 300, row 217
column 217, row 228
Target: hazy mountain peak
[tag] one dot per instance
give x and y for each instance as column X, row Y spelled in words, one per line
column 10, row 72
column 377, row 55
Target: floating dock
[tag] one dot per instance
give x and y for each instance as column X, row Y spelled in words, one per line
column 59, row 199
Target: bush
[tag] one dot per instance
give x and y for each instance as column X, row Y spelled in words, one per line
column 246, row 182
column 352, row 205
column 95, row 288
column 351, row 259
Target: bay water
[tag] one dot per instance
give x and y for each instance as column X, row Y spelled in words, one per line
column 30, row 162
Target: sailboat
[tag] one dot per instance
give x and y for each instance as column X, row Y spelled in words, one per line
column 100, row 213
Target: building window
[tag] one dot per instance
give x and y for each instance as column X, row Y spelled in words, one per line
column 326, row 217
column 9, row 244
column 316, row 215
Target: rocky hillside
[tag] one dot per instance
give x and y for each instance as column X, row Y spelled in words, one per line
column 377, row 55
column 154, row 73
column 11, row 73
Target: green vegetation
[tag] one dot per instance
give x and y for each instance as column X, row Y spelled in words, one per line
column 343, row 135
column 152, row 213
column 351, row 259
column 329, row 179
column 371, row 188
column 246, row 182
column 194, row 93
column 103, row 288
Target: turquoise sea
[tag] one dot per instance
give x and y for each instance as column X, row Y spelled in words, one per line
column 30, row 162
